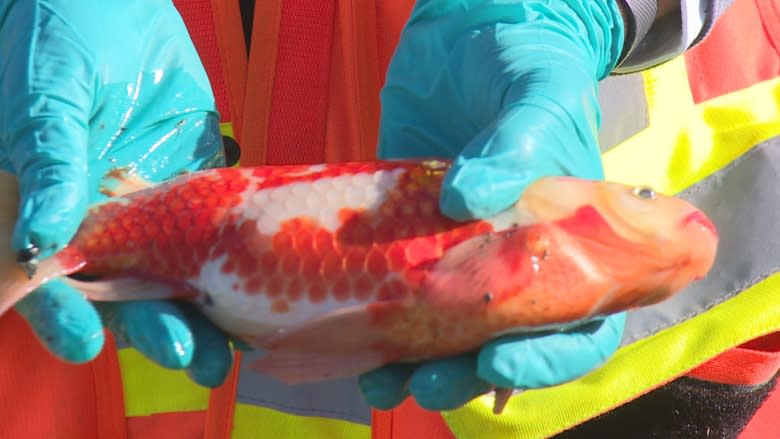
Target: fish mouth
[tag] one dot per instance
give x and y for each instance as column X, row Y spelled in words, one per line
column 698, row 217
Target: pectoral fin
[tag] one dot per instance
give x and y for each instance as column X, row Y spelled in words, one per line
column 130, row 288
column 343, row 331
column 343, row 343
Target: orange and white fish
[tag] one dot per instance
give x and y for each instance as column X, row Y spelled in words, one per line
column 338, row 269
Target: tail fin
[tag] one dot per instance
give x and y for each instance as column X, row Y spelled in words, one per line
column 14, row 282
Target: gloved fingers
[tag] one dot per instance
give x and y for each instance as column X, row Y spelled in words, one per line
column 64, row 320
column 213, row 357
column 524, row 143
column 158, row 329
column 528, row 361
column 44, row 121
column 387, row 386
column 174, row 336
column 447, row 383
column 52, row 203
column 241, row 345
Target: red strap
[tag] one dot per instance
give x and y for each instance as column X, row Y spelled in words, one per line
column 766, row 422
column 721, row 65
column 261, row 67
column 408, row 420
column 166, row 425
column 752, row 363
column 222, row 405
column 46, row 397
column 109, row 392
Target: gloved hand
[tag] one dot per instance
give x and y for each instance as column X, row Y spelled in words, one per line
column 509, row 91
column 89, row 86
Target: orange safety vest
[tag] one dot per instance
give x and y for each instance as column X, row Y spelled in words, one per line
column 325, row 46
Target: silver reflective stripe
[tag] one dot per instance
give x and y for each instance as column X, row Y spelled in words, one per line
column 743, row 200
column 623, row 109
column 340, row 399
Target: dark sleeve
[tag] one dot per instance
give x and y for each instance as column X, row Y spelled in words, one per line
column 654, row 37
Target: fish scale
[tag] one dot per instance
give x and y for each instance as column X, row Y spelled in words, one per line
column 310, row 267
column 300, row 257
column 337, row 269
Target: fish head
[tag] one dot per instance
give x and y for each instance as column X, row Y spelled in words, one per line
column 672, row 240
column 674, row 228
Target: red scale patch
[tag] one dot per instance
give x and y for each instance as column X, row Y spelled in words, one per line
column 275, row 286
column 296, row 289
column 353, row 260
column 157, row 229
column 290, row 264
column 254, row 285
column 317, row 292
column 364, row 287
column 341, row 288
column 376, row 264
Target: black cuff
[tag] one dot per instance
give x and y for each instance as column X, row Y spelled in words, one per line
column 684, row 408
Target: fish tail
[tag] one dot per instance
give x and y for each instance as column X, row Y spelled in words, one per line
column 15, row 283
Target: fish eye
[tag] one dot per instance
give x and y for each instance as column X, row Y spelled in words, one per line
column 644, row 192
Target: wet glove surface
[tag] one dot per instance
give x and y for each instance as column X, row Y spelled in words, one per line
column 509, row 91
column 89, row 86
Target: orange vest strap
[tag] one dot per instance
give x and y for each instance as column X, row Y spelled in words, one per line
column 166, row 425
column 262, row 69
column 408, row 420
column 718, row 66
column 222, row 403
column 353, row 104
column 109, row 393
column 753, row 363
column 381, row 424
column 46, row 397
column 229, row 36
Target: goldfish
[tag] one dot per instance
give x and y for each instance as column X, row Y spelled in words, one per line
column 338, row 269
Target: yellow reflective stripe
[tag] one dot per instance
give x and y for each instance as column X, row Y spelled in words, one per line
column 250, row 421
column 226, row 128
column 633, row 370
column 150, row 388
column 684, row 144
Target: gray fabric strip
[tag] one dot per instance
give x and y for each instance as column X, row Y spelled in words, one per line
column 623, row 109
column 339, row 399
column 642, row 13
column 743, row 201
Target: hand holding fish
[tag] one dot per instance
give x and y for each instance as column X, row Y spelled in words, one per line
column 478, row 83
column 65, row 119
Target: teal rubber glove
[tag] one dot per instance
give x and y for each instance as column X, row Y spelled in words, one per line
column 89, row 86
column 509, row 91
